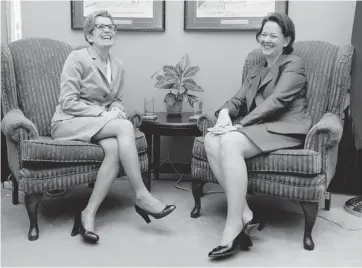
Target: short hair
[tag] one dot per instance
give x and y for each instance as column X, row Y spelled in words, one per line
column 286, row 25
column 90, row 21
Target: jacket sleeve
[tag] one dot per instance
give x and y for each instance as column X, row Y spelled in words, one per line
column 118, row 100
column 292, row 80
column 237, row 104
column 69, row 98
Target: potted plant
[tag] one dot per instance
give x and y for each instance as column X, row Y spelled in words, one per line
column 179, row 80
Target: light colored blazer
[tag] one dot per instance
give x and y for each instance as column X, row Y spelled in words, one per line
column 84, row 89
column 282, row 105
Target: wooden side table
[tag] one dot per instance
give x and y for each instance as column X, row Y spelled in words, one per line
column 165, row 125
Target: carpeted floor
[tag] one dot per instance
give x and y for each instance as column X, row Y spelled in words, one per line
column 177, row 240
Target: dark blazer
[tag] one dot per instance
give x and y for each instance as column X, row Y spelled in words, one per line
column 279, row 100
column 84, row 89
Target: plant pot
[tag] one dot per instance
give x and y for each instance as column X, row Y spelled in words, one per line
column 175, row 109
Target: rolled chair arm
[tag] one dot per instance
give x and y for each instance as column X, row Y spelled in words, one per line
column 204, row 122
column 13, row 124
column 135, row 118
column 330, row 125
column 324, row 138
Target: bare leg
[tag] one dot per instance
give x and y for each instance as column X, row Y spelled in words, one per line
column 106, row 175
column 235, row 148
column 123, row 131
column 212, row 147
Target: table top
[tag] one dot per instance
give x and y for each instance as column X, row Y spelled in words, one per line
column 165, row 120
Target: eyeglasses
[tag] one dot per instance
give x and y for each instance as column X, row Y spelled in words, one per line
column 102, row 27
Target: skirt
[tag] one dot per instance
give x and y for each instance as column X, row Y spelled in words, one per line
column 78, row 128
column 270, row 141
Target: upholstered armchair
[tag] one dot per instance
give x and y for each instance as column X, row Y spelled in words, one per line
column 30, row 76
column 296, row 174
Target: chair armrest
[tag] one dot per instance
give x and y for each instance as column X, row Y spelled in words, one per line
column 13, row 124
column 324, row 138
column 204, row 122
column 329, row 126
column 135, row 118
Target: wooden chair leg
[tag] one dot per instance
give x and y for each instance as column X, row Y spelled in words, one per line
column 310, row 213
column 327, row 200
column 15, row 192
column 32, row 202
column 197, row 191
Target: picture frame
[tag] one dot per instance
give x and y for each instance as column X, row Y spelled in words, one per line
column 128, row 15
column 229, row 15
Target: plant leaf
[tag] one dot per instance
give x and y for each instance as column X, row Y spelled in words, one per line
column 170, row 99
column 190, row 80
column 192, row 87
column 191, row 71
column 184, row 62
column 170, row 71
column 158, row 73
column 192, row 99
column 166, row 82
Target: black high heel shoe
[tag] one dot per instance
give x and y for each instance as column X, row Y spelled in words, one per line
column 144, row 213
column 78, row 228
column 241, row 240
column 254, row 224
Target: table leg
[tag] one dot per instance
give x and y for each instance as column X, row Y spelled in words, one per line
column 149, row 155
column 156, row 156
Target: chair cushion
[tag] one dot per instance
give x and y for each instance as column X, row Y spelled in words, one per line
column 46, row 149
column 300, row 161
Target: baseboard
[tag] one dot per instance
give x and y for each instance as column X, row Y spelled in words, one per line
column 182, row 168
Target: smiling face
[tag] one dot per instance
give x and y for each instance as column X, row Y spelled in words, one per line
column 102, row 37
column 272, row 40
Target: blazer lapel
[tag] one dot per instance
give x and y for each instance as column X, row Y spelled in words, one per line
column 271, row 75
column 255, row 80
column 114, row 68
column 97, row 62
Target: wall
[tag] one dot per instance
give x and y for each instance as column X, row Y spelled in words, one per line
column 4, row 32
column 220, row 55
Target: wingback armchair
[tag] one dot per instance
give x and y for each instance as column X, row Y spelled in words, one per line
column 30, row 76
column 296, row 174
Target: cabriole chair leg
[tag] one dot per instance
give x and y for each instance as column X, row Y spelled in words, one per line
column 31, row 203
column 327, row 200
column 15, row 192
column 310, row 214
column 197, row 191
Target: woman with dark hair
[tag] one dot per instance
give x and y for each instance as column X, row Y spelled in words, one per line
column 272, row 101
column 91, row 109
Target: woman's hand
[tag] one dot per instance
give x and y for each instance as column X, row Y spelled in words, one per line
column 223, row 119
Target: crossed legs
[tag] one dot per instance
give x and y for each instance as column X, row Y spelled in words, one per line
column 118, row 142
column 226, row 155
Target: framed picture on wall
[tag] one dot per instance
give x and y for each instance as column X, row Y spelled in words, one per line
column 229, row 15
column 129, row 15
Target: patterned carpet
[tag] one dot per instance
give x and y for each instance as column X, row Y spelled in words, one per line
column 177, row 240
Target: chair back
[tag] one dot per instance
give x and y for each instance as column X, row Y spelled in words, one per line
column 38, row 64
column 328, row 69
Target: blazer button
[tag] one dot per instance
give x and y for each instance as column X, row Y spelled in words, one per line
column 105, row 95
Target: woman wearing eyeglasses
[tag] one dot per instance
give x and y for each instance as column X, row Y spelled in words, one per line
column 91, row 109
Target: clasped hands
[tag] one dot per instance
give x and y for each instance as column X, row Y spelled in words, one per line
column 114, row 113
column 223, row 124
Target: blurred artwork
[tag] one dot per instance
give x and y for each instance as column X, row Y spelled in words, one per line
column 121, row 8
column 234, row 8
